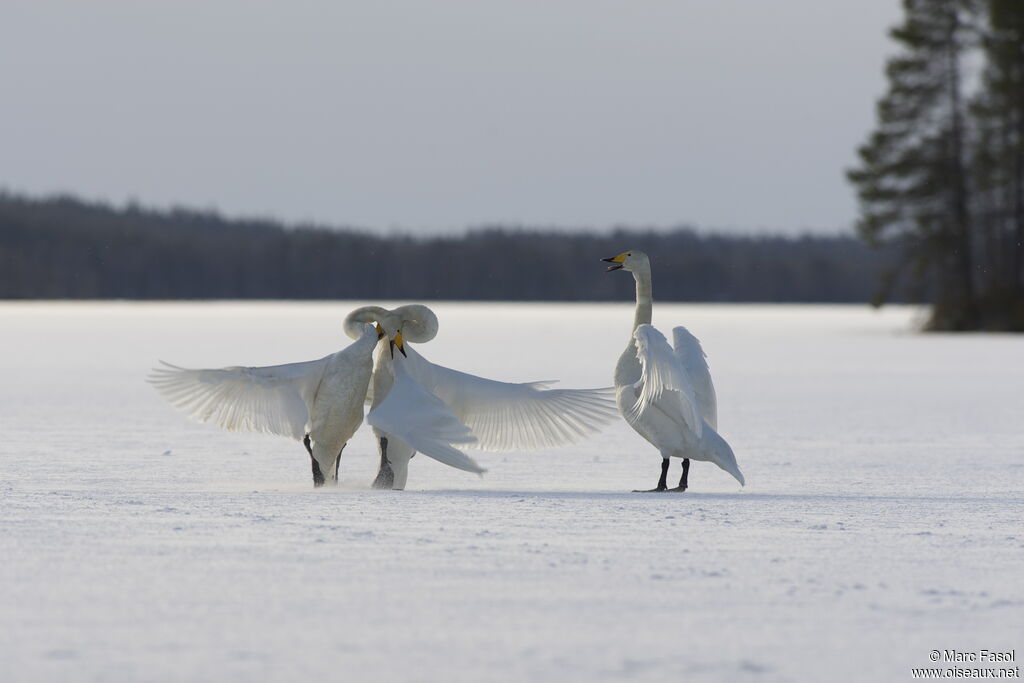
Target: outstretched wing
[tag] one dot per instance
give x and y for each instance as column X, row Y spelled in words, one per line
column 504, row 416
column 423, row 421
column 694, row 361
column 273, row 399
column 663, row 381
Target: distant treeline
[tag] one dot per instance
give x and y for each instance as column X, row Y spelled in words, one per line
column 64, row 248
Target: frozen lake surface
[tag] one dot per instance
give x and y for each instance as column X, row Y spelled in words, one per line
column 883, row 515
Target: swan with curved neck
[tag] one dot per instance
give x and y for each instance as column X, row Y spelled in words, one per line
column 498, row 415
column 666, row 394
column 410, row 323
column 319, row 402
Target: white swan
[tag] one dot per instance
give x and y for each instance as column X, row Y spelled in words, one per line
column 665, row 395
column 406, row 323
column 318, row 402
column 500, row 416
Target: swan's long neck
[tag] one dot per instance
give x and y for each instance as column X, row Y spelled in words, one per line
column 628, row 370
column 383, row 372
column 357, row 319
column 644, row 301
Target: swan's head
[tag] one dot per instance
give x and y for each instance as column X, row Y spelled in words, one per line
column 390, row 325
column 629, row 260
column 411, row 323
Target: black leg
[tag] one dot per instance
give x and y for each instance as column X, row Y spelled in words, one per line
column 662, row 481
column 385, row 475
column 684, row 480
column 318, row 476
column 337, row 463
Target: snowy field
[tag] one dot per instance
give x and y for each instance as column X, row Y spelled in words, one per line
column 883, row 515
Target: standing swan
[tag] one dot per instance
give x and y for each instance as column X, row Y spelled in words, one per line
column 318, row 402
column 666, row 396
column 500, row 416
column 411, row 323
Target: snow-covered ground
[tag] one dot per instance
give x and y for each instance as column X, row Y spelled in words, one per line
column 883, row 515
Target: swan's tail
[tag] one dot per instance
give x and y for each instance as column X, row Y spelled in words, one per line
column 718, row 451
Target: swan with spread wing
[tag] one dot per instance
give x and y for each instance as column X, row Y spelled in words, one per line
column 666, row 394
column 319, row 402
column 500, row 416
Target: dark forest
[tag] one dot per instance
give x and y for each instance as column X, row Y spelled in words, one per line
column 65, row 248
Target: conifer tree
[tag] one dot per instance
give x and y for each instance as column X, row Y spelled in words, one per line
column 998, row 110
column 912, row 181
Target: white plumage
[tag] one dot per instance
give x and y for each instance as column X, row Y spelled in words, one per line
column 507, row 416
column 415, row 405
column 272, row 400
column 320, row 402
column 666, row 394
column 420, row 421
column 322, row 398
column 691, row 356
column 500, row 416
column 663, row 380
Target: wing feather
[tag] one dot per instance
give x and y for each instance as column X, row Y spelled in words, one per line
column 273, row 399
column 694, row 361
column 663, row 381
column 423, row 421
column 505, row 416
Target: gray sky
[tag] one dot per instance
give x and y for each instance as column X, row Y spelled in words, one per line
column 442, row 114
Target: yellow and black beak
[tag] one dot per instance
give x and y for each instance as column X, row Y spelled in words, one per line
column 617, row 260
column 397, row 341
column 380, row 331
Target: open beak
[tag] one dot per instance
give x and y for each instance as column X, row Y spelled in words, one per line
column 617, row 260
column 397, row 341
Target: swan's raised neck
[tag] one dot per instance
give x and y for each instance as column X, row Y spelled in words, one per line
column 636, row 262
column 644, row 302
